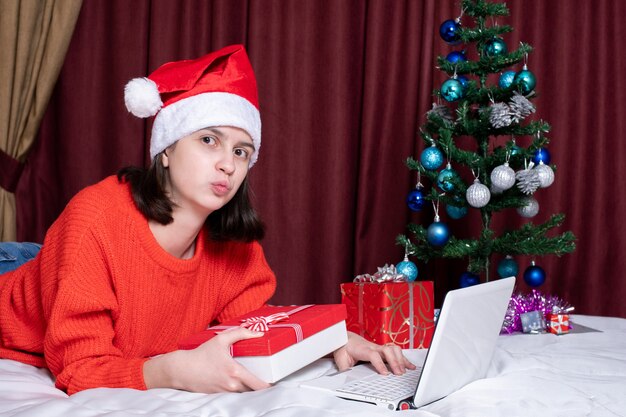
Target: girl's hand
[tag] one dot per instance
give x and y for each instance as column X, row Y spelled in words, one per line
column 209, row 368
column 359, row 349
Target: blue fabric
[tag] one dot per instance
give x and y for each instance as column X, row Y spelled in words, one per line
column 15, row 254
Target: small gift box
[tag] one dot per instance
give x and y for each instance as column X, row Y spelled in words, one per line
column 390, row 311
column 533, row 322
column 294, row 337
column 558, row 323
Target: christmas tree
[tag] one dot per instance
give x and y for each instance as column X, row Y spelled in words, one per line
column 487, row 99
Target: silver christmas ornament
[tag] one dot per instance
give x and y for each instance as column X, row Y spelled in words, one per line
column 545, row 174
column 500, row 115
column 520, row 107
column 441, row 111
column 495, row 190
column 530, row 207
column 528, row 180
column 503, row 177
column 477, row 194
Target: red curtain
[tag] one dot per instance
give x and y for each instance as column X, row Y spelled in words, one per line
column 344, row 86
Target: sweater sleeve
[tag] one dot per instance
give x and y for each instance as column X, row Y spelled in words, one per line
column 250, row 283
column 79, row 345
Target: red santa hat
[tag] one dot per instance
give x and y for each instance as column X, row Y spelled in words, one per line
column 218, row 89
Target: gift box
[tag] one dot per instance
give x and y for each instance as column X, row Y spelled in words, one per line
column 294, row 337
column 558, row 323
column 391, row 312
column 533, row 322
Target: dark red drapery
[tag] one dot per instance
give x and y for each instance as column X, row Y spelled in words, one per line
column 344, row 86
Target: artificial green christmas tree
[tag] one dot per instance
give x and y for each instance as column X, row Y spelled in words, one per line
column 489, row 100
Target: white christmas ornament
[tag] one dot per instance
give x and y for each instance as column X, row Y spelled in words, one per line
column 503, row 177
column 529, row 209
column 495, row 190
column 478, row 194
column 545, row 174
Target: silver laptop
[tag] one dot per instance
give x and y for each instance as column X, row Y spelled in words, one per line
column 460, row 352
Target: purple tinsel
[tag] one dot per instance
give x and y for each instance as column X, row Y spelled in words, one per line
column 524, row 303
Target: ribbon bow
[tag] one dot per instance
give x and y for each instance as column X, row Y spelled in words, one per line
column 261, row 323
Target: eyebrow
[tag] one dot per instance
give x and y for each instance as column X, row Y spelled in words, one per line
column 219, row 132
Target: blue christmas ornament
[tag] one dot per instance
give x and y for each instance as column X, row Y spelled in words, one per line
column 449, row 31
column 407, row 268
column 534, row 275
column 463, row 80
column 431, row 158
column 525, row 81
column 456, row 56
column 451, row 90
column 456, row 212
column 507, row 267
column 445, row 177
column 438, row 233
column 506, row 79
column 495, row 47
column 415, row 200
column 541, row 155
column 468, row 279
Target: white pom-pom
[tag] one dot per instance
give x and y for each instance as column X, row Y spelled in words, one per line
column 142, row 98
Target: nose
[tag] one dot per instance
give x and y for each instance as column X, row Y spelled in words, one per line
column 226, row 162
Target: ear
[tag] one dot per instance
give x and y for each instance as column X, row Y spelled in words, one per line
column 165, row 160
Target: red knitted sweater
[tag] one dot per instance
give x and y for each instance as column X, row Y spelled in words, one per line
column 102, row 296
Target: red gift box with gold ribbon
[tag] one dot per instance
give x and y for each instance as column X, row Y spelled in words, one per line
column 294, row 337
column 391, row 312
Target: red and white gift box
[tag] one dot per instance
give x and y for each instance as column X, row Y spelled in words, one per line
column 558, row 323
column 294, row 337
column 391, row 312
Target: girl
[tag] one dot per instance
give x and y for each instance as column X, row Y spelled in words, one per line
column 147, row 257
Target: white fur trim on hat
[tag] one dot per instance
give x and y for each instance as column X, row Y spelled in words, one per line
column 212, row 109
column 142, row 98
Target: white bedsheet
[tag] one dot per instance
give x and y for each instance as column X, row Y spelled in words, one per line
column 578, row 374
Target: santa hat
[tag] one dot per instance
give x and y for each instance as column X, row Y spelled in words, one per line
column 218, row 89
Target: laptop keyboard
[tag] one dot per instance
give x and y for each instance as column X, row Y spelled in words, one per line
column 385, row 387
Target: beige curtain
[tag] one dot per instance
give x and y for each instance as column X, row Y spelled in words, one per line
column 34, row 36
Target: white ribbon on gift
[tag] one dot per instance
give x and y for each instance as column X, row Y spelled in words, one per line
column 268, row 322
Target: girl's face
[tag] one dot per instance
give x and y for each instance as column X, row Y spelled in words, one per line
column 206, row 168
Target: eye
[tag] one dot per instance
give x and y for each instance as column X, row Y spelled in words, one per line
column 242, row 153
column 209, row 140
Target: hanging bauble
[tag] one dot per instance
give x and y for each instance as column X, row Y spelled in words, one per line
column 449, row 31
column 529, row 209
column 503, row 177
column 456, row 211
column 477, row 194
column 507, row 267
column 463, row 80
column 415, row 199
column 525, row 80
column 541, row 155
column 431, row 158
column 446, row 177
column 407, row 268
column 495, row 47
column 545, row 174
column 506, row 79
column 495, row 190
column 451, row 90
column 438, row 233
column 534, row 275
column 456, row 56
column 468, row 279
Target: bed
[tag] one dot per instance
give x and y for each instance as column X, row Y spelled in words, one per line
column 582, row 373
